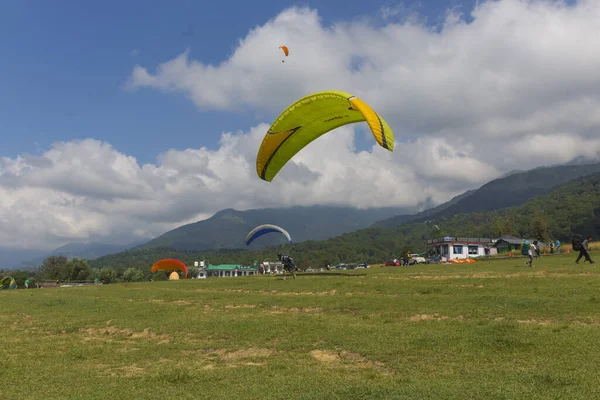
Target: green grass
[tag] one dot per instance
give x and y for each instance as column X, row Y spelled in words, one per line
column 490, row 330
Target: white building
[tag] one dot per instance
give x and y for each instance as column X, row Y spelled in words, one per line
column 452, row 248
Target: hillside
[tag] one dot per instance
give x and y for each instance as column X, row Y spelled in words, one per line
column 228, row 228
column 423, row 215
column 572, row 207
column 512, row 190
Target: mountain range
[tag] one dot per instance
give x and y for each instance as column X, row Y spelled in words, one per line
column 510, row 190
column 228, row 228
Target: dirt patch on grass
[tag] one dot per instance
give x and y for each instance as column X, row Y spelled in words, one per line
column 283, row 293
column 229, row 355
column 348, row 359
column 240, row 306
column 127, row 371
column 468, row 285
column 112, row 331
column 246, row 353
column 287, row 310
column 326, row 356
column 428, row 317
column 534, row 322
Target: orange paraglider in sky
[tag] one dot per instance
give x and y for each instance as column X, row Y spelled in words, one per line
column 170, row 264
column 285, row 50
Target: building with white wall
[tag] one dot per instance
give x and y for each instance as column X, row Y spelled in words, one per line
column 452, row 248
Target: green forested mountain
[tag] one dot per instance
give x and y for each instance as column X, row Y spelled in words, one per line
column 511, row 190
column 228, row 228
column 572, row 207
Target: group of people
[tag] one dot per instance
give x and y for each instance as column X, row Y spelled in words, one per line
column 584, row 251
column 290, row 266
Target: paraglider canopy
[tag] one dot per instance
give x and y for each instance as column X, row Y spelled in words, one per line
column 169, row 264
column 285, row 50
column 8, row 282
column 263, row 230
column 309, row 118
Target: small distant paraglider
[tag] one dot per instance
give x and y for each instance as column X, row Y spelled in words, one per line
column 285, row 50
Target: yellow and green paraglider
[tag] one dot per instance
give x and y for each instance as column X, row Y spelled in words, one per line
column 8, row 282
column 309, row 118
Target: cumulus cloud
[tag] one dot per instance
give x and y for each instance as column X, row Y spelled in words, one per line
column 87, row 189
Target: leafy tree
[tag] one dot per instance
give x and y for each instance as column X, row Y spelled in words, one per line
column 539, row 224
column 105, row 274
column 133, row 275
column 56, row 267
column 193, row 271
column 79, row 269
column 160, row 276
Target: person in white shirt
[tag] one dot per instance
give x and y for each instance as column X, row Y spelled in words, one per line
column 532, row 249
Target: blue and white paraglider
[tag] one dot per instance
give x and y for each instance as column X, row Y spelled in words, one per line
column 266, row 229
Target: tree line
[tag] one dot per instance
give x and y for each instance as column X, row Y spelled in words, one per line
column 62, row 269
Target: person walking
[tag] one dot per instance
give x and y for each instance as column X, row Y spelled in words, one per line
column 532, row 252
column 584, row 251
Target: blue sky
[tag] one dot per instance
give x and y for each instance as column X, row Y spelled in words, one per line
column 64, row 63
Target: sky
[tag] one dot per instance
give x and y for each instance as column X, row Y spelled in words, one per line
column 123, row 120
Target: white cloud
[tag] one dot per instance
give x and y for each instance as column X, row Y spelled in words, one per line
column 88, row 190
column 514, row 89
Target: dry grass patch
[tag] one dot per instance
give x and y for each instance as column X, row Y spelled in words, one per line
column 427, row 317
column 240, row 306
column 286, row 310
column 113, row 331
column 246, row 353
column 347, row 359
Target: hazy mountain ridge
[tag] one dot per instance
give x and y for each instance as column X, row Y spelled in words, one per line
column 511, row 190
column 227, row 229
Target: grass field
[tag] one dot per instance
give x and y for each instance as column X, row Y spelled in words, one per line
column 490, row 330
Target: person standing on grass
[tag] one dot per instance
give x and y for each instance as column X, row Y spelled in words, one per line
column 557, row 246
column 532, row 251
column 288, row 265
column 584, row 252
